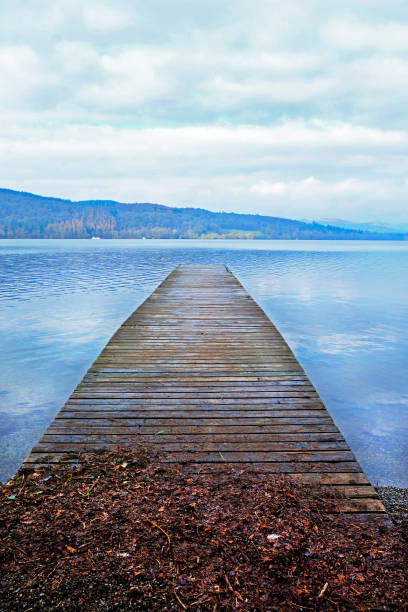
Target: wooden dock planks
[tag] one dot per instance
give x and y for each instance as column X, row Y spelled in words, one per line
column 199, row 370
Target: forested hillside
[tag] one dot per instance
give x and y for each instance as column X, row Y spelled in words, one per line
column 24, row 215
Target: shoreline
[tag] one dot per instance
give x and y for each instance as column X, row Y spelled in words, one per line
column 395, row 500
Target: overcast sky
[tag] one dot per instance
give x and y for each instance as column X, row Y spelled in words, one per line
column 289, row 108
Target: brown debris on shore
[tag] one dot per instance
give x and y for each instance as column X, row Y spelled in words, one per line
column 122, row 532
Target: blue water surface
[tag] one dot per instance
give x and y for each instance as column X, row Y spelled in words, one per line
column 342, row 306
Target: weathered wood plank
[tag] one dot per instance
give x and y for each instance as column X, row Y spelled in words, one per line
column 127, row 399
column 37, row 459
column 148, row 413
column 196, row 396
column 199, row 372
column 193, row 446
column 95, row 419
column 65, row 434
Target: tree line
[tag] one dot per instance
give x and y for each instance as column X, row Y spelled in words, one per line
column 24, row 215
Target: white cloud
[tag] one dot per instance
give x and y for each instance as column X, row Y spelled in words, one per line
column 383, row 77
column 75, row 57
column 133, row 76
column 104, row 18
column 272, row 170
column 194, row 63
column 229, row 93
column 350, row 33
column 22, row 75
column 352, row 197
column 311, row 187
column 231, row 105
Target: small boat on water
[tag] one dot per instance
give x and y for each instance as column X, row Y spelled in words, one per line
column 95, row 238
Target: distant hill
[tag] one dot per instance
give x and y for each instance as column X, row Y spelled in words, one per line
column 24, row 215
column 399, row 228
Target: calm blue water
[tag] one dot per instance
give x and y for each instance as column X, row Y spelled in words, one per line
column 342, row 306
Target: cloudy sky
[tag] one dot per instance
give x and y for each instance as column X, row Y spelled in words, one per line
column 288, row 108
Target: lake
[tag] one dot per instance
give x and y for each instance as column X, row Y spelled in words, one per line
column 342, row 307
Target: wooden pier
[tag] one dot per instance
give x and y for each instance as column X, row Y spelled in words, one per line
column 199, row 370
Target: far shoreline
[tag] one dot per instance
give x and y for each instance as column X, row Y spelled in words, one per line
column 212, row 238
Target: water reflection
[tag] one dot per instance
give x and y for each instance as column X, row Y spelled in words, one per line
column 342, row 307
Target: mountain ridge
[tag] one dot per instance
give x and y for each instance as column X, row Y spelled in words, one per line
column 366, row 226
column 27, row 215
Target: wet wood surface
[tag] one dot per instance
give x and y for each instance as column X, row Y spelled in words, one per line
column 200, row 372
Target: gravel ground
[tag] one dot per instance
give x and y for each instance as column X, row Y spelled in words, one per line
column 396, row 503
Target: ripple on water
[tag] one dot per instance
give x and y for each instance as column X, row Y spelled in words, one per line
column 342, row 306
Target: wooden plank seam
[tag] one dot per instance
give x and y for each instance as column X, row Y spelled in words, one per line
column 199, row 371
